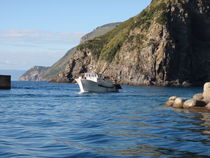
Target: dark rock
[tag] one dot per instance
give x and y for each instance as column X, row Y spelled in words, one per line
column 200, row 103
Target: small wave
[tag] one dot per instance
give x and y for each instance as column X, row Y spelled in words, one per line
column 53, row 120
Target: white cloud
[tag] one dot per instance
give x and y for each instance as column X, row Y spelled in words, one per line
column 22, row 49
column 40, row 37
column 6, row 62
column 25, row 60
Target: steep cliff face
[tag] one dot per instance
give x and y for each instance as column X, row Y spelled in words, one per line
column 57, row 68
column 34, row 74
column 56, row 73
column 188, row 25
column 166, row 44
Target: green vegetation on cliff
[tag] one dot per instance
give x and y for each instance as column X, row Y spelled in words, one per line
column 59, row 67
column 106, row 47
column 166, row 44
column 99, row 31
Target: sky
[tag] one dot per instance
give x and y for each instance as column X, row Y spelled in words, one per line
column 39, row 32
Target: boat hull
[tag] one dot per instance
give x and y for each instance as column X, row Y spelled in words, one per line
column 94, row 87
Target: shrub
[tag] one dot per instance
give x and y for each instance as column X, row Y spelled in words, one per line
column 106, row 46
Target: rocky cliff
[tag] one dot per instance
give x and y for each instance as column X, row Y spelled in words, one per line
column 58, row 68
column 56, row 73
column 168, row 43
column 34, row 74
column 99, row 31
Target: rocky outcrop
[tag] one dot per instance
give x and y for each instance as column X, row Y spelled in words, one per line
column 56, row 72
column 166, row 44
column 57, row 69
column 197, row 101
column 189, row 104
column 34, row 74
column 99, row 31
column 178, row 103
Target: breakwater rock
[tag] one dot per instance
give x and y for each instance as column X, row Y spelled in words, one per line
column 200, row 100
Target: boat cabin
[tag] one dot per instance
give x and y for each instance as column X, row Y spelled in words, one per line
column 90, row 76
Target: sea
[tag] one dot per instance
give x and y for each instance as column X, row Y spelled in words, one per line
column 49, row 120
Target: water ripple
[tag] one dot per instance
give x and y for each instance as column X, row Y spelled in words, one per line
column 39, row 119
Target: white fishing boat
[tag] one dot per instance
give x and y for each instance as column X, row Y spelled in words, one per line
column 92, row 82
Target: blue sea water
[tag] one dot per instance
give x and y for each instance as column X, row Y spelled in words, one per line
column 46, row 120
